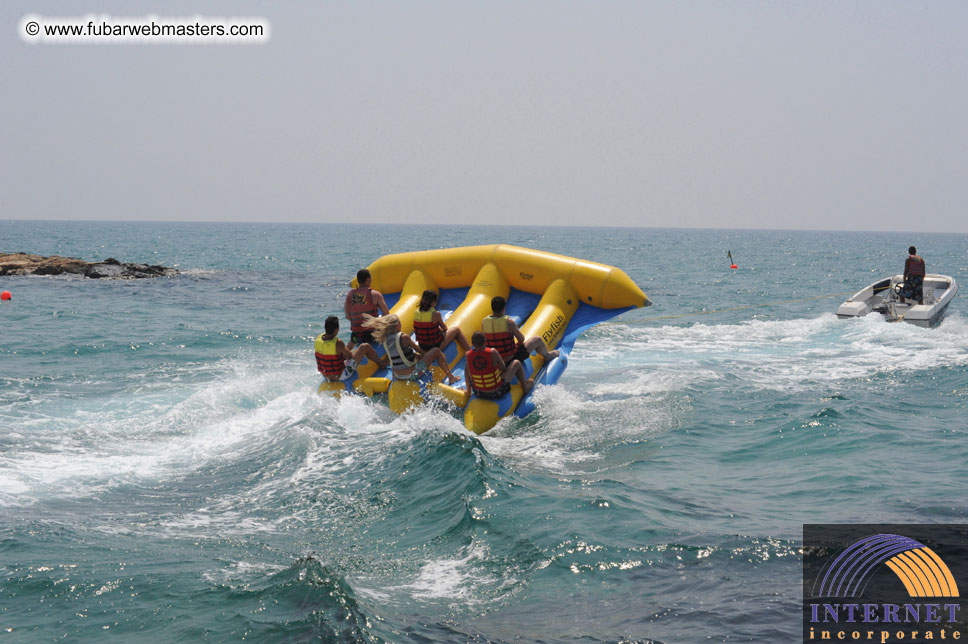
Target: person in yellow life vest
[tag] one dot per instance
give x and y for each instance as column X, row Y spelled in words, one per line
column 334, row 360
column 429, row 327
column 487, row 375
column 361, row 301
column 407, row 360
column 914, row 273
column 502, row 333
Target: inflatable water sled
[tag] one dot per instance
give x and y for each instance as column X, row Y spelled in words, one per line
column 550, row 296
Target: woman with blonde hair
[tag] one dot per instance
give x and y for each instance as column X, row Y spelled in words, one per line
column 407, row 360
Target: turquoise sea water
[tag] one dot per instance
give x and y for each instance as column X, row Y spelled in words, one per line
column 168, row 474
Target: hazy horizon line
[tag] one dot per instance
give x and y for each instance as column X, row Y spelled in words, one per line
column 484, row 225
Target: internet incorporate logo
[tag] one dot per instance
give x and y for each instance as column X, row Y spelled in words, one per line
column 883, row 583
column 918, row 567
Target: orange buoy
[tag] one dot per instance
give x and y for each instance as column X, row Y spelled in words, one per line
column 5, row 295
column 733, row 266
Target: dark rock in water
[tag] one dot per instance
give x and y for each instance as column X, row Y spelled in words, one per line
column 27, row 264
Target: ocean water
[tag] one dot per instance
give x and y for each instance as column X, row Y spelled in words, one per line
column 167, row 473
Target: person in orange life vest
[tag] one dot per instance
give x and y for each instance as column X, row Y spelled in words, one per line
column 487, row 375
column 332, row 355
column 502, row 333
column 361, row 301
column 429, row 327
column 407, row 360
column 913, row 276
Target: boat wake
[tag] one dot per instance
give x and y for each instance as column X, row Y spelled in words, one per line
column 765, row 355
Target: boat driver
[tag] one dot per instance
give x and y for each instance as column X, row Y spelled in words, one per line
column 914, row 273
column 359, row 301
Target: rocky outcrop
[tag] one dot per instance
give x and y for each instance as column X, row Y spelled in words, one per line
column 27, row 264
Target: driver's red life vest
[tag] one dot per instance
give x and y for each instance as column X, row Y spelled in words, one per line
column 328, row 359
column 914, row 266
column 427, row 331
column 483, row 369
column 497, row 336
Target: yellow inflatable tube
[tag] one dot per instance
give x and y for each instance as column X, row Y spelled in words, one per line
column 563, row 282
column 489, row 283
column 527, row 270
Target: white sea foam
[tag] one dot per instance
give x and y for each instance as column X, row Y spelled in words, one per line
column 238, row 574
column 11, row 484
column 371, row 593
column 126, row 438
column 199, row 272
column 574, row 427
column 345, row 438
column 772, row 355
column 457, row 577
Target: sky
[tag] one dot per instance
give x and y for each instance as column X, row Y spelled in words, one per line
column 819, row 114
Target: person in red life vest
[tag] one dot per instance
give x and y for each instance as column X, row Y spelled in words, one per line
column 361, row 301
column 487, row 375
column 502, row 333
column 429, row 327
column 407, row 360
column 913, row 277
column 333, row 358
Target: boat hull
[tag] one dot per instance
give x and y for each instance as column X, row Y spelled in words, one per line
column 881, row 297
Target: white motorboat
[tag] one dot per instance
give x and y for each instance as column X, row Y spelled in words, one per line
column 884, row 297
